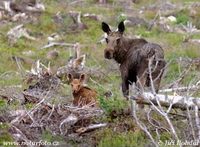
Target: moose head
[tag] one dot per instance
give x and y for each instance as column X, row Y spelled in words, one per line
column 76, row 84
column 113, row 40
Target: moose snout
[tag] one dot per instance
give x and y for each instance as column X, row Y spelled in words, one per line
column 108, row 54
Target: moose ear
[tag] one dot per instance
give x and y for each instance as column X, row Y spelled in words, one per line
column 70, row 77
column 121, row 27
column 82, row 77
column 105, row 27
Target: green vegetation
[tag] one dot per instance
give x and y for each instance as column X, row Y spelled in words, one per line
column 124, row 139
column 47, row 136
column 3, row 105
column 112, row 104
column 4, row 135
column 182, row 17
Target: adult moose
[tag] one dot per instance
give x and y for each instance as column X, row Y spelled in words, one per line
column 134, row 55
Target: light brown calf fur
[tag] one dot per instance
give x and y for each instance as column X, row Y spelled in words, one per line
column 82, row 95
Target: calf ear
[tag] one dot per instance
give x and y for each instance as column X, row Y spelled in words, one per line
column 70, row 77
column 105, row 27
column 82, row 78
column 121, row 27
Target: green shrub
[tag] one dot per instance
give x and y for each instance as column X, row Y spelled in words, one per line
column 182, row 17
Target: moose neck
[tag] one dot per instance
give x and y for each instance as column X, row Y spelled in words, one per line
column 122, row 49
column 127, row 44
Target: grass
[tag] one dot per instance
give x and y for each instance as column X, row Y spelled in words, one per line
column 4, row 135
column 112, row 104
column 47, row 136
column 112, row 138
column 4, row 127
column 182, row 17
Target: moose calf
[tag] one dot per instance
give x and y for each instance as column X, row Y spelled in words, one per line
column 82, row 94
column 134, row 55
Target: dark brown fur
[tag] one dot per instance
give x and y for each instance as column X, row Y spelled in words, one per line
column 133, row 55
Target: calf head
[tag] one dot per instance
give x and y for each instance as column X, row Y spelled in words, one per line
column 76, row 84
column 113, row 40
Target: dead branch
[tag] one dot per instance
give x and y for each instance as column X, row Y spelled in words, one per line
column 17, row 32
column 69, row 121
column 194, row 41
column 154, row 20
column 90, row 128
column 190, row 123
column 85, row 111
column 160, row 109
column 92, row 16
column 17, row 114
column 78, row 24
column 22, row 135
column 158, row 125
column 140, row 124
column 76, row 1
column 197, row 121
column 52, row 44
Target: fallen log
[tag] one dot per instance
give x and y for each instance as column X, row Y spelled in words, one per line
column 181, row 102
column 180, row 89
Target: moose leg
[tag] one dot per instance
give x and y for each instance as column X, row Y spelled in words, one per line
column 157, row 84
column 141, row 83
column 125, row 88
column 141, row 80
column 125, row 82
column 157, row 76
column 157, row 79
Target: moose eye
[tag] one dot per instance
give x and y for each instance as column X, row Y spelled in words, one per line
column 106, row 40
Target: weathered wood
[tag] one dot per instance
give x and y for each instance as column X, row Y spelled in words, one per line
column 180, row 89
column 17, row 32
column 181, row 102
column 52, row 44
column 90, row 128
